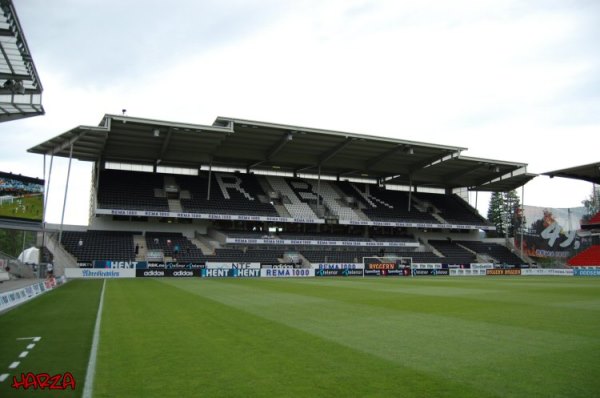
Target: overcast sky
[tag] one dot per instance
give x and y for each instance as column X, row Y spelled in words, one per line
column 510, row 80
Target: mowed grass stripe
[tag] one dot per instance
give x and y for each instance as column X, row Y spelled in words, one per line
column 534, row 303
column 64, row 318
column 473, row 340
column 161, row 341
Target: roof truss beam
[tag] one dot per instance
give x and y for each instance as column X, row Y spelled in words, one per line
column 433, row 159
column 165, row 146
column 275, row 149
column 334, row 151
column 456, row 174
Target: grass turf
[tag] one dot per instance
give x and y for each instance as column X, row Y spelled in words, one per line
column 333, row 337
column 64, row 318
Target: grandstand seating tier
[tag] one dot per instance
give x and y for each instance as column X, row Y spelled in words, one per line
column 587, row 258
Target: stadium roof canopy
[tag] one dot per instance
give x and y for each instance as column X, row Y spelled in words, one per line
column 589, row 172
column 259, row 146
column 20, row 86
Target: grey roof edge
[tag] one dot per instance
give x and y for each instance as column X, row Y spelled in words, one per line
column 167, row 123
column 567, row 169
column 337, row 133
column 67, row 136
column 494, row 161
column 105, row 127
column 505, row 178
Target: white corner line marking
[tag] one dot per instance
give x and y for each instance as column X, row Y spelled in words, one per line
column 23, row 354
column 34, row 338
column 14, row 365
column 30, row 346
column 91, row 368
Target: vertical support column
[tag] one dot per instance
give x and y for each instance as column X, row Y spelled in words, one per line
column 47, row 185
column 209, row 179
column 409, row 192
column 522, row 216
column 319, row 190
column 62, row 218
column 47, row 193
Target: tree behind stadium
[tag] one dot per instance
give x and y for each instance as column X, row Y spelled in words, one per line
column 505, row 212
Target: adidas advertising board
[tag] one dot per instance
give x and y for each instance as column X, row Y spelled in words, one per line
column 175, row 273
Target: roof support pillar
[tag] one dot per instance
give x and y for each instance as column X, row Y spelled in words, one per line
column 522, row 217
column 209, row 179
column 319, row 188
column 47, row 189
column 62, row 218
column 47, row 185
column 410, row 188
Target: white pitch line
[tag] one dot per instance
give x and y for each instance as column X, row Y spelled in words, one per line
column 14, row 365
column 23, row 354
column 34, row 338
column 91, row 368
column 30, row 346
column 3, row 377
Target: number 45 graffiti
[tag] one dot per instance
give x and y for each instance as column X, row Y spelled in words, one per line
column 552, row 232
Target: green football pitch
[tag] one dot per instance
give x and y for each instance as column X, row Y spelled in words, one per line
column 318, row 337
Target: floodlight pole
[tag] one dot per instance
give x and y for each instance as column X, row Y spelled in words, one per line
column 62, row 218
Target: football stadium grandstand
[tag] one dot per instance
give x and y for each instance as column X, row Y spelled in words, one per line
column 169, row 194
column 242, row 198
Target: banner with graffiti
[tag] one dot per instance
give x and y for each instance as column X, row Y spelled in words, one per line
column 552, row 233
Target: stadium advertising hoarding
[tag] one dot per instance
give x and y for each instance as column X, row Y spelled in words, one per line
column 21, row 198
column 387, row 266
column 214, row 265
column 431, row 272
column 205, row 216
column 15, row 297
column 287, row 272
column 503, row 271
column 416, row 225
column 174, row 264
column 120, row 264
column 337, row 265
column 99, row 273
column 467, row 272
column 338, row 272
column 586, row 271
column 320, row 242
column 388, row 272
column 169, row 272
column 546, row 272
column 552, row 233
column 231, row 273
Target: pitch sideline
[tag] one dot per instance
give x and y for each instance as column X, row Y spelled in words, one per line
column 91, row 368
